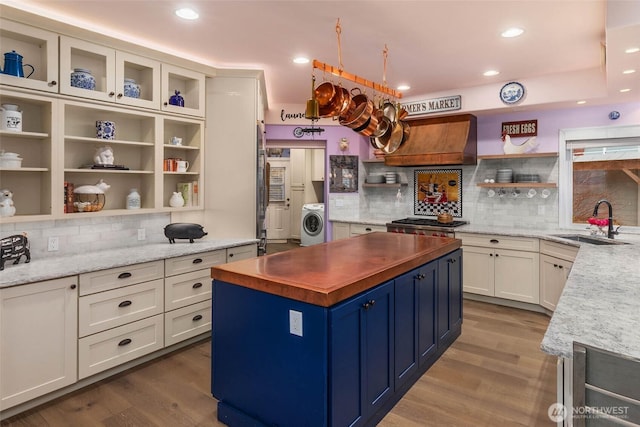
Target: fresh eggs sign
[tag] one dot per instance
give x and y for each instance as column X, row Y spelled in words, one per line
column 523, row 128
column 436, row 105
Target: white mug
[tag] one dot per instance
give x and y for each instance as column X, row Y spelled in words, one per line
column 182, row 166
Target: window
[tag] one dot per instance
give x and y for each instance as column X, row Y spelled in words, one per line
column 596, row 164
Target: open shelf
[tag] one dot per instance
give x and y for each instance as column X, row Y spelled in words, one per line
column 396, row 185
column 515, row 156
column 518, row 185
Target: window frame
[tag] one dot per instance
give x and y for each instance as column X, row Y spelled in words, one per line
column 565, row 166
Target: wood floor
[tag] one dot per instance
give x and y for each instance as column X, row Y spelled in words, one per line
column 493, row 375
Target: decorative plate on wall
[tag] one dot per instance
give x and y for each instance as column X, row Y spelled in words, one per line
column 512, row 93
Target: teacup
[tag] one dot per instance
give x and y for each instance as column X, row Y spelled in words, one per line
column 176, row 140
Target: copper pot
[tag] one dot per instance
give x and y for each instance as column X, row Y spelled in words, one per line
column 355, row 99
column 371, row 127
column 361, row 115
column 395, row 139
column 381, row 135
column 324, row 93
column 445, row 218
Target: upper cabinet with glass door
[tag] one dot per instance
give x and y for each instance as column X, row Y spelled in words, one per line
column 185, row 85
column 93, row 71
column 35, row 63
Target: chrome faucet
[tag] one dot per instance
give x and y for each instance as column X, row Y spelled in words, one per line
column 610, row 231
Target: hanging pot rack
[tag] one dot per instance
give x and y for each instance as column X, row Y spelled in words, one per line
column 356, row 79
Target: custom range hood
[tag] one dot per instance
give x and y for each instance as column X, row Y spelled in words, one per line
column 445, row 140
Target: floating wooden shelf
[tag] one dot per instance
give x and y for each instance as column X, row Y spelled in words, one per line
column 398, row 185
column 515, row 156
column 518, row 185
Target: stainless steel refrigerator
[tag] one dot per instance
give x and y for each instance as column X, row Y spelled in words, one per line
column 262, row 193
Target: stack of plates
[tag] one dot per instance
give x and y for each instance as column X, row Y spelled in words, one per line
column 527, row 177
column 391, row 177
column 504, row 175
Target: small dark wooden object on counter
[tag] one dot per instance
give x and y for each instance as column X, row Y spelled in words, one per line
column 14, row 247
column 181, row 230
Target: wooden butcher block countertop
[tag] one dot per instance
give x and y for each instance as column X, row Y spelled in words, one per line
column 329, row 273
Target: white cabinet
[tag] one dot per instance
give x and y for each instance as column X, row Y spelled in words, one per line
column 189, row 84
column 39, row 48
column 38, row 332
column 109, row 68
column 120, row 316
column 556, row 261
column 344, row 230
column 501, row 266
column 33, row 183
column 340, row 230
column 317, row 165
column 239, row 253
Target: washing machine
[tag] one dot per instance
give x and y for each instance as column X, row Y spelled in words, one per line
column 313, row 224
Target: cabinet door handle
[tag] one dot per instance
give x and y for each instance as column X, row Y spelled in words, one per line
column 367, row 305
column 197, row 317
column 125, row 303
column 124, row 275
column 490, row 254
column 111, row 94
column 119, row 96
column 197, row 285
column 560, row 266
column 494, row 241
column 53, row 83
column 451, row 260
column 555, row 265
column 197, row 260
column 73, row 286
column 497, row 255
column 124, row 342
column 230, row 255
column 367, row 229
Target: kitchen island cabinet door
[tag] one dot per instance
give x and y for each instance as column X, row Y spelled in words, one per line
column 362, row 357
column 38, row 332
column 449, row 296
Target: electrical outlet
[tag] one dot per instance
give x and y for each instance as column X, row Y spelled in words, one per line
column 142, row 234
column 54, row 244
column 295, row 323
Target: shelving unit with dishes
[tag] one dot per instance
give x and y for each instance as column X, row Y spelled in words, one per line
column 515, row 186
column 373, row 163
column 58, row 141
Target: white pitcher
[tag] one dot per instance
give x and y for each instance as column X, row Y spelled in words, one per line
column 11, row 118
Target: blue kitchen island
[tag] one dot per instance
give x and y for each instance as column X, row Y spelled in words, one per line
column 332, row 334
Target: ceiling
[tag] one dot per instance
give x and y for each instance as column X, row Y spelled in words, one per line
column 433, row 46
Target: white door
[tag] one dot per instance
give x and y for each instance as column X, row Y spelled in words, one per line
column 279, row 210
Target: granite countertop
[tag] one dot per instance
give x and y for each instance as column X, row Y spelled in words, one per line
column 55, row 267
column 329, row 273
column 600, row 302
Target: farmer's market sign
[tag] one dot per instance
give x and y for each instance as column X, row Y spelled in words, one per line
column 436, row 105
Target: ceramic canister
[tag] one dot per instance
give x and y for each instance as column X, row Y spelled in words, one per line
column 11, row 118
column 83, row 79
column 105, row 129
column 131, row 88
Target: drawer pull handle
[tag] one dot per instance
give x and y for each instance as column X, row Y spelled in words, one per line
column 197, row 260
column 124, row 342
column 230, row 255
column 124, row 275
column 494, row 241
column 73, row 286
column 125, row 303
column 367, row 229
column 197, row 285
column 197, row 317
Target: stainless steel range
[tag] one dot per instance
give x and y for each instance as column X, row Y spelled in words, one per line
column 425, row 226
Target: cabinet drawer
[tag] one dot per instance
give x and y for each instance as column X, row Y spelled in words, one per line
column 558, row 250
column 241, row 252
column 107, row 349
column 189, row 263
column 356, row 229
column 499, row 242
column 109, row 309
column 186, row 289
column 105, row 280
column 187, row 322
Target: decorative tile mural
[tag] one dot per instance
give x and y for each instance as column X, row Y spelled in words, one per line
column 438, row 191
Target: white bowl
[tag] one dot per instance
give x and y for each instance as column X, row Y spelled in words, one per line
column 10, row 163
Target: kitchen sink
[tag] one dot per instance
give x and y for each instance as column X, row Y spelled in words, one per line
column 590, row 239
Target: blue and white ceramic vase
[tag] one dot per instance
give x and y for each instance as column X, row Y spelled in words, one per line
column 177, row 99
column 83, row 79
column 105, row 129
column 131, row 88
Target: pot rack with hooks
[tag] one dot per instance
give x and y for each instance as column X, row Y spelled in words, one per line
column 339, row 71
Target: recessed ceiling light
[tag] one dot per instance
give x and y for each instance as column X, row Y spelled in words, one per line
column 628, row 71
column 632, row 50
column 301, row 60
column 512, row 32
column 491, row 73
column 581, row 102
column 625, row 90
column 404, row 87
column 186, row 13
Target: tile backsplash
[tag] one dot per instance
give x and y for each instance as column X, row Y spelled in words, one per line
column 536, row 212
column 87, row 234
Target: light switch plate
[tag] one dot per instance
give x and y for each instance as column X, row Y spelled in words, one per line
column 295, row 322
